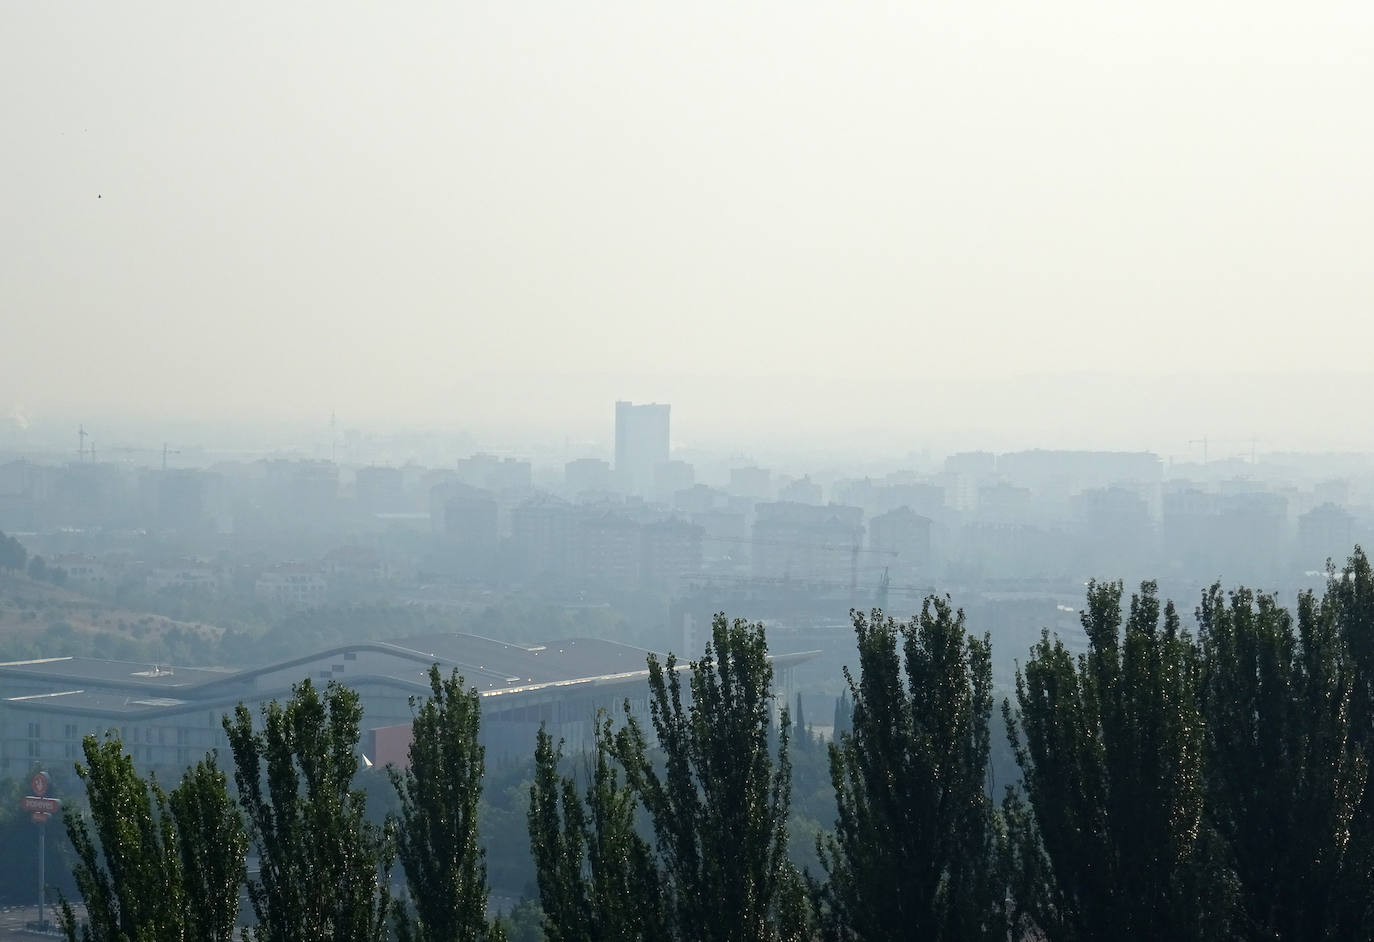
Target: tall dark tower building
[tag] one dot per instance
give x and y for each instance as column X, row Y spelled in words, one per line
column 641, row 445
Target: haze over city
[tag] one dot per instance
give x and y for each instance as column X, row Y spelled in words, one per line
column 859, row 222
column 966, row 402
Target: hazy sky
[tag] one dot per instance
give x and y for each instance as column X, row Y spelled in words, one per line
column 775, row 215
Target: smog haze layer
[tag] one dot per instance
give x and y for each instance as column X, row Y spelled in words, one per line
column 1073, row 225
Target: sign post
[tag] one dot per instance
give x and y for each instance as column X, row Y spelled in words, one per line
column 42, row 872
column 40, row 809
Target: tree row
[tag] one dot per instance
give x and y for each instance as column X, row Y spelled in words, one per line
column 1175, row 784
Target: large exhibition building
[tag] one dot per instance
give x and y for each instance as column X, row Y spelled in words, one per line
column 169, row 717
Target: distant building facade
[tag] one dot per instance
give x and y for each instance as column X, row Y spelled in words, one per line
column 470, row 515
column 670, row 554
column 84, row 571
column 752, row 482
column 169, row 717
column 900, row 540
column 606, row 549
column 801, row 491
column 806, row 543
column 670, row 477
column 587, row 476
column 292, row 585
column 380, row 490
column 641, row 445
column 189, row 576
column 541, row 530
column 1324, row 532
column 495, row 474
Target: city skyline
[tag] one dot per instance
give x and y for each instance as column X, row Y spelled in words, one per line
column 1170, row 415
column 940, row 421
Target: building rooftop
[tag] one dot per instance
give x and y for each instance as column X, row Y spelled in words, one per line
column 493, row 667
column 552, row 662
column 94, row 701
column 133, row 675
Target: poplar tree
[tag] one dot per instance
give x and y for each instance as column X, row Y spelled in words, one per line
column 324, row 869
column 719, row 805
column 914, row 854
column 1110, row 746
column 598, row 878
column 127, row 871
column 1350, row 593
column 155, row 866
column 211, row 845
column 1283, row 782
column 436, row 837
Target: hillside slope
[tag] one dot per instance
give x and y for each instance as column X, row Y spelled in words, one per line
column 38, row 619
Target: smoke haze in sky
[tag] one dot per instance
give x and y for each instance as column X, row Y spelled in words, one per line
column 1119, row 224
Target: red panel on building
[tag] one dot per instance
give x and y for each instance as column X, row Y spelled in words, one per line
column 391, row 746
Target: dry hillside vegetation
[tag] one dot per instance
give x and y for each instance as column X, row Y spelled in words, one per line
column 29, row 608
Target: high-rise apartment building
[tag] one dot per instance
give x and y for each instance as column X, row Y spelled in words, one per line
column 641, row 445
column 586, row 476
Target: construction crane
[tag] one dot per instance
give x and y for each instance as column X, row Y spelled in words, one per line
column 1204, row 441
column 127, row 450
column 81, row 443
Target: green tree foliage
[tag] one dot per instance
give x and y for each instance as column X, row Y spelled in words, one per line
column 325, row 871
column 525, row 923
column 437, row 835
column 155, row 866
column 1111, row 749
column 19, row 838
column 1282, row 780
column 13, row 556
column 844, row 715
column 1350, row 593
column 211, row 844
column 719, row 806
column 915, row 853
column 598, row 879
column 128, row 870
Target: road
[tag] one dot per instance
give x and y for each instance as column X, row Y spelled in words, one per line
column 13, row 918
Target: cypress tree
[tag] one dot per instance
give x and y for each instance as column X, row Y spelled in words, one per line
column 844, row 716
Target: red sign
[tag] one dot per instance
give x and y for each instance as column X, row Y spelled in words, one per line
column 40, row 817
column 39, row 784
column 47, row 805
